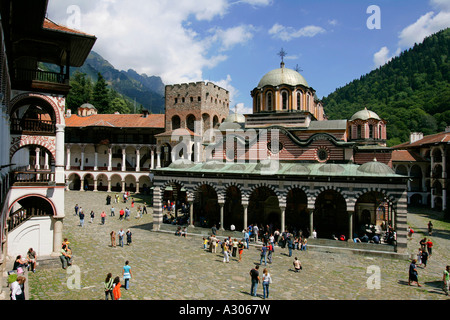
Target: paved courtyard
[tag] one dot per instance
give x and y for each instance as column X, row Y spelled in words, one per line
column 166, row 267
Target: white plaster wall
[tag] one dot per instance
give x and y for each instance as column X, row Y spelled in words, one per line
column 36, row 233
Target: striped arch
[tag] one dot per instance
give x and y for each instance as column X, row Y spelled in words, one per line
column 388, row 195
column 31, row 196
column 331, row 187
column 22, row 141
column 57, row 103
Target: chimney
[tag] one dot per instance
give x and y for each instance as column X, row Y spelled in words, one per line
column 145, row 112
column 447, row 129
column 415, row 136
column 68, row 113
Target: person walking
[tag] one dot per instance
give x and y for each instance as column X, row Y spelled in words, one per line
column 112, row 212
column 266, row 281
column 413, row 274
column 113, row 239
column 76, row 209
column 246, row 238
column 103, row 216
column 121, row 234
column 446, row 280
column 109, row 284
column 226, row 252
column 254, row 274
column 81, row 215
column 116, row 290
column 128, row 237
column 263, row 255
column 290, row 245
column 429, row 244
column 430, row 228
column 92, row 216
column 241, row 250
column 270, row 252
column 126, row 273
column 424, row 258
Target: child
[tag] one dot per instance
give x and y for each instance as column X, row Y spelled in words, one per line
column 205, row 242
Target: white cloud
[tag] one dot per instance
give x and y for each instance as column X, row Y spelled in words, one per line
column 426, row 25
column 156, row 37
column 382, row 57
column 416, row 32
column 230, row 37
column 288, row 33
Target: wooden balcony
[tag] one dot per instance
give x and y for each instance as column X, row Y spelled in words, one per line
column 33, row 178
column 41, row 81
column 33, row 127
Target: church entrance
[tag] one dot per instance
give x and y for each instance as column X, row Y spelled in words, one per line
column 330, row 215
column 264, row 208
column 297, row 215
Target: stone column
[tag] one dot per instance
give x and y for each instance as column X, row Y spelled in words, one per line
column 57, row 237
column 123, row 186
column 82, row 159
column 46, row 162
column 68, row 158
column 350, row 224
column 109, row 185
column 191, row 213
column 401, row 215
column 124, row 159
column 95, row 185
column 245, row 205
column 138, row 160
column 137, row 186
column 95, row 160
column 283, row 220
column 37, row 165
column 158, row 159
column 110, row 159
column 152, row 159
column 221, row 204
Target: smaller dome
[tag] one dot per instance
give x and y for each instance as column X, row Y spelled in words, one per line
column 365, row 115
column 298, row 169
column 181, row 164
column 375, row 167
column 331, row 168
column 88, row 106
column 234, row 121
column 213, row 165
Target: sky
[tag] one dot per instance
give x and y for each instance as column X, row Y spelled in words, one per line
column 234, row 43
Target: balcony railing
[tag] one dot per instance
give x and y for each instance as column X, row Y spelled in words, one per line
column 23, row 214
column 31, row 177
column 33, row 125
column 38, row 75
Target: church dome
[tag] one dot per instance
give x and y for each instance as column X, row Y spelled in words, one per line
column 375, row 167
column 365, row 115
column 234, row 121
column 281, row 76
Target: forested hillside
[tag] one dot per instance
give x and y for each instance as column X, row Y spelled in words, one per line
column 411, row 92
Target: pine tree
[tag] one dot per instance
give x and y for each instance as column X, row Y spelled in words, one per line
column 100, row 95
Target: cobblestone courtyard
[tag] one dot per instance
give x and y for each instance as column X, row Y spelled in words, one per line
column 166, row 267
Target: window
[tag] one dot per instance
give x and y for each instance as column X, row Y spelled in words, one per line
column 284, row 100
column 359, row 132
column 299, row 101
column 371, row 131
column 269, row 101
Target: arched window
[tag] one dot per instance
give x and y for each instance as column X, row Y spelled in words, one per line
column 359, row 131
column 269, row 101
column 380, row 134
column 371, row 131
column 299, row 100
column 284, row 100
column 176, row 122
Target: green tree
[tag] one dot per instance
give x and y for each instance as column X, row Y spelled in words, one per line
column 100, row 95
column 80, row 92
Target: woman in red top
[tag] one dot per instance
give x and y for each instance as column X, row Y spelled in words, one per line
column 429, row 247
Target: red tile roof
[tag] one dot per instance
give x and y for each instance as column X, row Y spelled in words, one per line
column 406, row 156
column 117, row 121
column 49, row 24
column 442, row 137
